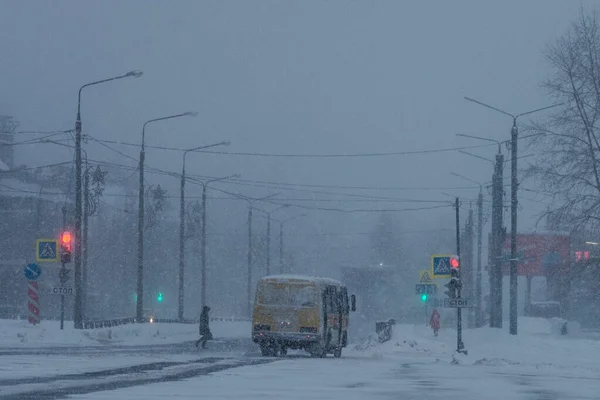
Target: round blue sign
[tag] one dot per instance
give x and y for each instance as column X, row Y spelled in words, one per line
column 32, row 271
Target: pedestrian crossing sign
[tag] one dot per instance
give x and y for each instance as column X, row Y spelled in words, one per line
column 440, row 265
column 46, row 250
column 425, row 277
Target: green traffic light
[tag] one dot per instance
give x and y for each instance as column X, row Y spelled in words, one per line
column 159, row 297
column 423, row 297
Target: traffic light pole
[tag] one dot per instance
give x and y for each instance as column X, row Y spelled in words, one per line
column 62, row 273
column 459, row 343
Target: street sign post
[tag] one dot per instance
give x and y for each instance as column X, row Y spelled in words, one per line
column 440, row 265
column 62, row 290
column 46, row 250
column 425, row 288
column 458, row 303
column 32, row 271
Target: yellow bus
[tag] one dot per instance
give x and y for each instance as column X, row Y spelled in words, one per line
column 301, row 312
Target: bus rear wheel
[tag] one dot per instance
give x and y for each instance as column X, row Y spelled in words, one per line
column 268, row 350
column 337, row 353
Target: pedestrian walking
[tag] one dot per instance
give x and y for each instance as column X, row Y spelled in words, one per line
column 434, row 322
column 204, row 328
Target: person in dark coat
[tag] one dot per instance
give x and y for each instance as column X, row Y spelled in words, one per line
column 205, row 333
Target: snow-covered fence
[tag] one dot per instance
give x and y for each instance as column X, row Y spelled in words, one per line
column 108, row 323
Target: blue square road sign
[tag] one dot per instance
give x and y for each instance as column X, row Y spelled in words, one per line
column 440, row 265
column 46, row 250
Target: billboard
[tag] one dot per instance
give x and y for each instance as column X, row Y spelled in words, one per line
column 539, row 254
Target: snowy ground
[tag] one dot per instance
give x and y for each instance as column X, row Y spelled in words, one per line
column 539, row 363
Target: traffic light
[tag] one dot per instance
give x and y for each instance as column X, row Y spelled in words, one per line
column 159, row 297
column 454, row 285
column 66, row 241
column 424, row 297
column 454, row 262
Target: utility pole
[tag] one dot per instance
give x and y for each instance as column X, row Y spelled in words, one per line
column 78, row 315
column 249, row 267
column 513, row 229
column 181, row 243
column 468, row 271
column 268, row 244
column 84, row 244
column 497, row 243
column 249, row 270
column 281, row 247
column 478, row 321
column 203, row 251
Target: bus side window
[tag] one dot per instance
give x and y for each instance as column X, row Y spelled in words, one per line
column 331, row 299
column 344, row 299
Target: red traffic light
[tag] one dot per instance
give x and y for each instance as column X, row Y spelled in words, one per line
column 454, row 262
column 66, row 237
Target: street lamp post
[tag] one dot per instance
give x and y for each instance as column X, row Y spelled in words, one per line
column 203, row 235
column 182, row 226
column 281, row 223
column 140, row 253
column 249, row 266
column 269, row 236
column 78, row 312
column 514, row 133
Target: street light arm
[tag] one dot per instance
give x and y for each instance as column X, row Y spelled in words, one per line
column 539, row 109
column 251, row 201
column 479, row 138
column 491, row 107
column 188, row 113
column 475, row 155
column 292, row 218
column 223, row 178
column 134, row 74
column 224, row 143
column 468, row 179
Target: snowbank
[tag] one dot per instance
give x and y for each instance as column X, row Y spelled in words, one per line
column 15, row 333
column 539, row 344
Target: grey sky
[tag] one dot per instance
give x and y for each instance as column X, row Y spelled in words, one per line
column 286, row 77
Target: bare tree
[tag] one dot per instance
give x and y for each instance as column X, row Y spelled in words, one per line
column 568, row 165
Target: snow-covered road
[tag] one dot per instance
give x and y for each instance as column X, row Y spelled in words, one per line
column 537, row 364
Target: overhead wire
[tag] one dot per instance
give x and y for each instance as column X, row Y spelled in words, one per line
column 290, row 155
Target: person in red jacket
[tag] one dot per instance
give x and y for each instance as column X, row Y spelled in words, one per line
column 434, row 322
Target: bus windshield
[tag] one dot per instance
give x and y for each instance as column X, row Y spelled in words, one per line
column 287, row 295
